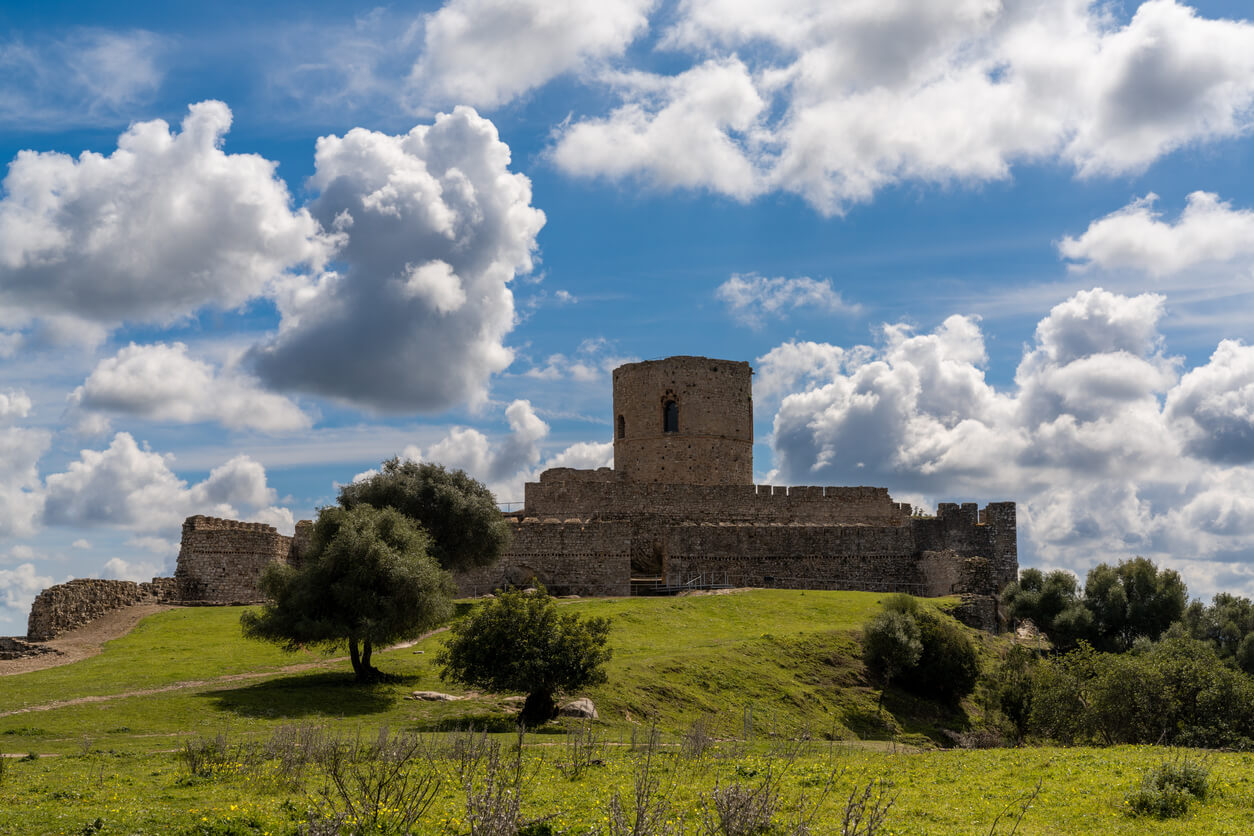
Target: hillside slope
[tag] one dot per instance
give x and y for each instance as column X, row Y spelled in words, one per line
column 766, row 657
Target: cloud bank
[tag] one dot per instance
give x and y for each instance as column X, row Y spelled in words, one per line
column 1108, row 447
column 835, row 101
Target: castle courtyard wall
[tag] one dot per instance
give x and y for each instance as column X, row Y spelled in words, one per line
column 602, row 494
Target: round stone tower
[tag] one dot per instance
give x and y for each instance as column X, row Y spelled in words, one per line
column 684, row 420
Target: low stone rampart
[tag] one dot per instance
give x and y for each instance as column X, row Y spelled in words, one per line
column 72, row 604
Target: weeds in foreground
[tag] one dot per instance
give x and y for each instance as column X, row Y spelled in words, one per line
column 867, row 808
column 381, row 788
column 649, row 813
column 584, row 749
column 207, row 757
column 1021, row 804
column 697, row 740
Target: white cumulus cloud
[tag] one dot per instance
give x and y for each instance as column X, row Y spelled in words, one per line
column 1107, row 447
column 21, row 495
column 14, row 404
column 835, row 101
column 164, row 383
column 435, row 227
column 486, row 52
column 20, row 585
column 165, row 225
column 1137, row 237
column 131, row 487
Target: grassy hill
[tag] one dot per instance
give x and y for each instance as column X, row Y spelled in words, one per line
column 753, row 667
column 784, row 657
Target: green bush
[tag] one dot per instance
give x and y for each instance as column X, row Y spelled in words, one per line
column 948, row 667
column 520, row 642
column 891, row 645
column 921, row 650
column 1167, row 790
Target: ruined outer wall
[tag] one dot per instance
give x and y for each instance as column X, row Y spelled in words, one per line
column 72, row 604
column 603, row 494
column 714, row 441
column 220, row 561
column 873, row 558
column 570, row 558
column 970, row 531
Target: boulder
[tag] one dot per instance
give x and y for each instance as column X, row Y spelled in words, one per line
column 581, row 707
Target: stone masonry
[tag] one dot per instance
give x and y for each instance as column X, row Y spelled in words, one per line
column 220, row 561
column 66, row 606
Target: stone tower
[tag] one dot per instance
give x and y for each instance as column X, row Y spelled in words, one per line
column 684, row 420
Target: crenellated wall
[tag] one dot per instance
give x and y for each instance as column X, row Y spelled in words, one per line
column 220, row 561
column 606, row 494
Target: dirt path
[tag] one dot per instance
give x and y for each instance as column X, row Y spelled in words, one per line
column 85, row 642
column 88, row 641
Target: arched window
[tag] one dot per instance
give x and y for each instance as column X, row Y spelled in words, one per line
column 670, row 417
column 622, row 427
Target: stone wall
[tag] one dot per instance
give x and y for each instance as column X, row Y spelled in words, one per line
column 712, row 443
column 220, row 561
column 570, row 558
column 606, row 494
column 69, row 605
column 969, row 530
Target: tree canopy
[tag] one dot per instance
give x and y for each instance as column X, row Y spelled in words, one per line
column 919, row 649
column 460, row 513
column 367, row 580
column 519, row 641
column 1133, row 599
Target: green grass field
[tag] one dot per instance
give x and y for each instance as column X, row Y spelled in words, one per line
column 756, row 667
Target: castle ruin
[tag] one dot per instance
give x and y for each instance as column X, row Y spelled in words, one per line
column 679, row 510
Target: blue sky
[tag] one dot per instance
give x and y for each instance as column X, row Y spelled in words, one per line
column 975, row 251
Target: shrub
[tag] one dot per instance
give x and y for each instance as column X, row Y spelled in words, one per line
column 948, row 665
column 520, row 642
column 1166, row 791
column 891, row 645
column 926, row 652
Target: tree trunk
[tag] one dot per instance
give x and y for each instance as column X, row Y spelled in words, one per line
column 355, row 658
column 538, row 709
column 360, row 658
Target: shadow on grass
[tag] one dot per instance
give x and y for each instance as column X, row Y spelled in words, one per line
column 328, row 694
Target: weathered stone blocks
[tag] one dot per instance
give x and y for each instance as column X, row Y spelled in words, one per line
column 66, row 606
column 221, row 561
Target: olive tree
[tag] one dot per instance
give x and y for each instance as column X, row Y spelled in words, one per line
column 366, row 580
column 519, row 641
column 467, row 528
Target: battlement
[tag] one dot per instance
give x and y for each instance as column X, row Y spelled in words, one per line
column 200, row 522
column 221, row 561
column 608, row 494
